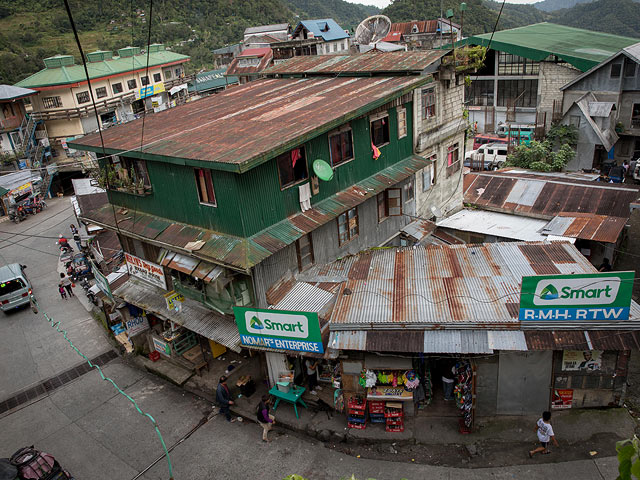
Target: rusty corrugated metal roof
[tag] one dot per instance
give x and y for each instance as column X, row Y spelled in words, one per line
column 587, row 226
column 363, row 63
column 582, row 340
column 546, row 197
column 243, row 253
column 437, row 286
column 265, row 55
column 253, row 122
column 422, row 26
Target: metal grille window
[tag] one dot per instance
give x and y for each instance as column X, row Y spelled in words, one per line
column 615, row 70
column 101, row 92
column 144, row 81
column 132, row 84
column 402, row 122
column 479, row 93
column 341, row 147
column 304, row 251
column 83, row 97
column 156, row 78
column 380, row 131
column 428, row 103
column 515, row 65
column 52, row 102
column 635, row 116
column 292, row 167
column 117, row 88
column 204, row 182
column 348, row 228
column 523, row 92
column 453, row 159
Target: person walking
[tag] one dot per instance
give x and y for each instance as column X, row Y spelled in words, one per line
column 66, row 283
column 605, row 266
column 223, row 397
column 73, row 229
column 62, row 292
column 545, row 435
column 265, row 419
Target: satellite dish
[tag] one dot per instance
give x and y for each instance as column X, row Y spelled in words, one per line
column 436, row 211
column 323, row 170
column 373, row 29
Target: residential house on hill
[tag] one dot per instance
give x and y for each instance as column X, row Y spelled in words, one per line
column 279, row 31
column 121, row 90
column 313, row 37
column 604, row 104
column 302, row 169
column 15, row 139
column 424, row 34
column 525, row 69
column 248, row 65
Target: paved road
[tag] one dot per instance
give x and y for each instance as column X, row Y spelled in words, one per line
column 95, row 432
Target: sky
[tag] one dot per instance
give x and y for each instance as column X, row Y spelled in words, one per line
column 384, row 3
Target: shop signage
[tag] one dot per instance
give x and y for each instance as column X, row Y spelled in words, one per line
column 584, row 361
column 389, row 393
column 136, row 325
column 161, row 346
column 150, row 90
column 147, row 271
column 581, row 297
column 101, row 280
column 279, row 329
column 562, row 399
column 174, row 301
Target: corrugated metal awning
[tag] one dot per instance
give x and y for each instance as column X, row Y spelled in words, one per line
column 193, row 316
column 304, row 297
column 601, row 228
column 582, row 340
column 419, row 229
column 502, row 225
column 456, row 341
column 183, row 263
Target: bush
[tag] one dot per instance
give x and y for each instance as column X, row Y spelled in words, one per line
column 539, row 156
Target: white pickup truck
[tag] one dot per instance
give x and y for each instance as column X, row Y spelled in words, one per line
column 490, row 156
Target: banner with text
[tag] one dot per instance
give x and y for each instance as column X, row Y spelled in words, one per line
column 279, row 329
column 578, row 297
column 147, row 271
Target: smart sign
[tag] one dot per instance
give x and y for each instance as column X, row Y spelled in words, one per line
column 593, row 296
column 279, row 329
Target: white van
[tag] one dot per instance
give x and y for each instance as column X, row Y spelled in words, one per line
column 15, row 288
column 490, row 156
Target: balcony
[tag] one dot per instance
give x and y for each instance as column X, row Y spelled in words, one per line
column 10, row 123
column 102, row 106
column 169, row 84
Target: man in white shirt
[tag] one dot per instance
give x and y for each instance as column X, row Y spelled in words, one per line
column 545, row 434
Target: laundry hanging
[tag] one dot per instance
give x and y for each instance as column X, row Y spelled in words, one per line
column 295, row 156
column 305, row 196
column 376, row 151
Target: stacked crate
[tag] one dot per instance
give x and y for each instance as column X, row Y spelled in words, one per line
column 376, row 412
column 357, row 413
column 394, row 416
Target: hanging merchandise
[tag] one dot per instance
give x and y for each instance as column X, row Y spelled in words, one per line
column 463, row 393
column 367, row 378
column 338, row 400
column 411, row 380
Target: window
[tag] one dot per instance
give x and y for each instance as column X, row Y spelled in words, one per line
column 206, row 194
column 341, row 147
column 101, row 92
column 428, row 103
column 515, row 65
column 629, row 68
column 409, row 191
column 248, row 62
column 635, row 116
column 131, row 84
column 525, row 91
column 167, row 74
column 304, row 250
column 389, row 203
column 380, row 131
column 292, row 167
column 83, row 97
column 144, row 80
column 116, row 88
column 453, row 163
column 615, row 70
column 178, row 71
column 574, row 120
column 156, row 78
column 348, row 226
column 11, row 286
column 382, row 206
column 428, row 175
column 52, row 102
column 479, row 93
column 124, row 167
column 402, row 122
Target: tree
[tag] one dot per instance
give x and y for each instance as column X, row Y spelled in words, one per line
column 628, row 458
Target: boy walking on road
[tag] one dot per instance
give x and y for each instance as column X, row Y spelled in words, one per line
column 545, row 435
column 265, row 419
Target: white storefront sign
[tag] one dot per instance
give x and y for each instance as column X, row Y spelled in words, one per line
column 136, row 325
column 147, row 271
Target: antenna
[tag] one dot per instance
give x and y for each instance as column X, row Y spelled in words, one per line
column 436, row 211
column 373, row 29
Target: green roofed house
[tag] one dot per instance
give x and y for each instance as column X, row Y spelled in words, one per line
column 213, row 81
column 525, row 68
column 122, row 89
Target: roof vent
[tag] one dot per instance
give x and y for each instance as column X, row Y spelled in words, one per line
column 99, row 56
column 156, row 47
column 59, row 61
column 128, row 52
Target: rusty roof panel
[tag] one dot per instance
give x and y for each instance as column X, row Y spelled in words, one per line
column 614, row 340
column 248, row 119
column 395, row 341
column 183, row 263
column 546, row 196
column 582, row 340
column 370, row 62
column 601, row 228
column 540, row 340
column 422, row 26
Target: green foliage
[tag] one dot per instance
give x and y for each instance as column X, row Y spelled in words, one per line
column 540, row 156
column 551, row 5
column 348, row 15
column 560, row 135
column 620, row 17
column 628, row 458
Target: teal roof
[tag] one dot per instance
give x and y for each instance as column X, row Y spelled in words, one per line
column 212, row 79
column 64, row 75
column 583, row 49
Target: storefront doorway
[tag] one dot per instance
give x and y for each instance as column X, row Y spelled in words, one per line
column 524, row 379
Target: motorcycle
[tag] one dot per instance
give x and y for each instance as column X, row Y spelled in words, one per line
column 17, row 214
column 86, row 286
column 31, row 464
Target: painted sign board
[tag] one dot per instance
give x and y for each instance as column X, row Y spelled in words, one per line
column 101, row 280
column 161, row 346
column 149, row 91
column 578, row 297
column 562, row 399
column 388, row 392
column 279, row 329
column 581, row 360
column 136, row 325
column 174, row 301
column 146, row 270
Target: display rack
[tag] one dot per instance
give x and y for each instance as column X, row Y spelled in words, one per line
column 394, row 417
column 357, row 413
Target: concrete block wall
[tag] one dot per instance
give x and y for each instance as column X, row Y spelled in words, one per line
column 553, row 76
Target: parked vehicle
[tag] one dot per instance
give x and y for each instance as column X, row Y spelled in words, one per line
column 484, row 138
column 519, row 133
column 616, row 174
column 17, row 213
column 31, row 464
column 490, row 156
column 86, row 286
column 15, row 288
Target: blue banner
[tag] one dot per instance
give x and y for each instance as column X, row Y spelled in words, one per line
column 281, row 344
